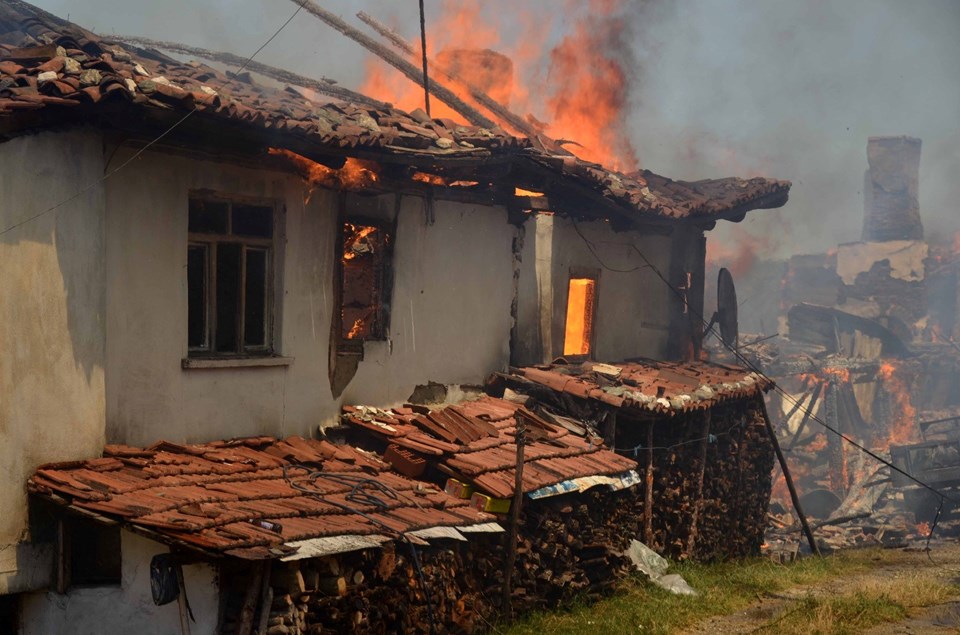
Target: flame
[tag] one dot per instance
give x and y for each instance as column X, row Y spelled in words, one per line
column 841, row 375
column 579, row 326
column 355, row 329
column 923, row 529
column 522, row 192
column 579, row 88
column 355, row 175
column 903, row 429
column 426, row 177
column 357, row 234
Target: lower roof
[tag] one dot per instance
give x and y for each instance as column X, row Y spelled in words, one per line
column 255, row 498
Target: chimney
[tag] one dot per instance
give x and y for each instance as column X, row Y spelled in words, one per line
column 891, row 204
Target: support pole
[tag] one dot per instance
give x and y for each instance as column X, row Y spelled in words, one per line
column 701, row 470
column 648, row 491
column 514, row 515
column 423, row 50
column 788, row 478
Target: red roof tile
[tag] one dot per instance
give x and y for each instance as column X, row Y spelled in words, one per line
column 653, row 386
column 485, row 451
column 225, row 496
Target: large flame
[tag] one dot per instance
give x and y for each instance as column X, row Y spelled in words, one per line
column 903, row 428
column 575, row 90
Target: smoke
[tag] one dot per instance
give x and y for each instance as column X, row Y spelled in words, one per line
column 697, row 88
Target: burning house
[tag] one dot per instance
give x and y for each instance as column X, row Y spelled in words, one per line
column 869, row 350
column 193, row 256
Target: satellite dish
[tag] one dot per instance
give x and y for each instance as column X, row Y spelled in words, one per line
column 727, row 308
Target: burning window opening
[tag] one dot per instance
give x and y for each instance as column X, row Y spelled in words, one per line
column 363, row 282
column 581, row 295
column 355, row 175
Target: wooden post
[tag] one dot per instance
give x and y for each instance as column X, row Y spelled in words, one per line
column 266, row 600
column 249, row 607
column 648, row 493
column 63, row 556
column 789, row 479
column 182, row 602
column 423, row 49
column 698, row 501
column 609, row 428
column 519, row 438
column 806, row 414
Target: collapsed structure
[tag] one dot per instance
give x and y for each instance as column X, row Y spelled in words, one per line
column 193, row 256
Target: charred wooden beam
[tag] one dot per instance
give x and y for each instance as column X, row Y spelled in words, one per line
column 503, row 113
column 409, row 70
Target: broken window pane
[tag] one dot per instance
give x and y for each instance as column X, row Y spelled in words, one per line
column 228, row 296
column 254, row 329
column 253, row 220
column 579, row 328
column 208, row 217
column 197, row 296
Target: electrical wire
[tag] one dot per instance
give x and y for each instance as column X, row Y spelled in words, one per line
column 752, row 367
column 710, row 438
column 359, row 494
column 153, row 141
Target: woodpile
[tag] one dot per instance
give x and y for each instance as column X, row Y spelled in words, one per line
column 568, row 547
column 372, row 591
column 711, row 483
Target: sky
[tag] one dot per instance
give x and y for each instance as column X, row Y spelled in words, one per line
column 778, row 88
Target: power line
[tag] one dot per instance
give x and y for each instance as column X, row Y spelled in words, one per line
column 751, row 366
column 155, row 140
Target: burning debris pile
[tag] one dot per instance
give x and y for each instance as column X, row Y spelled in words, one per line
column 869, row 352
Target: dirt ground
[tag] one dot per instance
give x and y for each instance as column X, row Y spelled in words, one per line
column 942, row 565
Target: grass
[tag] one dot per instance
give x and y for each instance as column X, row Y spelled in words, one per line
column 640, row 607
column 848, row 614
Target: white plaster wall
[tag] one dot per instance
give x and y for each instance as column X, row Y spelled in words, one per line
column 633, row 305
column 451, row 307
column 453, row 286
column 149, row 395
column 52, row 311
column 127, row 608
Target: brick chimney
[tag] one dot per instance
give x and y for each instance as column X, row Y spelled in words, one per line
column 891, row 204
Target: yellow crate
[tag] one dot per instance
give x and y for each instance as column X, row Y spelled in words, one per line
column 458, row 489
column 485, row 503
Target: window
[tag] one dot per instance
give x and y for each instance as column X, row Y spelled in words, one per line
column 229, row 278
column 364, row 282
column 581, row 301
column 89, row 553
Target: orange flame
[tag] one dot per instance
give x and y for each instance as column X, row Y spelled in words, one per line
column 426, row 177
column 355, row 329
column 904, row 426
column 522, row 192
column 355, row 175
column 582, row 96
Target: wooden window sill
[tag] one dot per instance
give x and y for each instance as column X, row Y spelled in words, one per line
column 190, row 363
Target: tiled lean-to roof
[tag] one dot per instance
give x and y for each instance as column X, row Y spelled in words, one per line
column 476, row 442
column 256, row 498
column 651, row 386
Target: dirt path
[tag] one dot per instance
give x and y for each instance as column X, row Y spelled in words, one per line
column 892, row 566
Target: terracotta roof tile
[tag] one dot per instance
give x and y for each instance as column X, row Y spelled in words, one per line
column 484, row 450
column 654, row 386
column 226, row 496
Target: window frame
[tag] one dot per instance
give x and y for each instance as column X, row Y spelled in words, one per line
column 210, row 242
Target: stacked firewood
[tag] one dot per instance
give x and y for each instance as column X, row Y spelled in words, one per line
column 568, row 547
column 711, row 483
